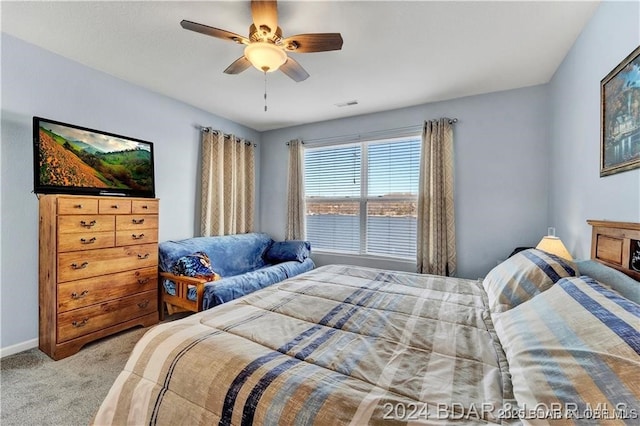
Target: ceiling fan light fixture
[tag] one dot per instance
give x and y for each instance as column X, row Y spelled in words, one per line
column 265, row 56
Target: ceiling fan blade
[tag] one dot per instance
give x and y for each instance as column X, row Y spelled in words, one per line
column 213, row 32
column 294, row 70
column 238, row 66
column 319, row 42
column 265, row 16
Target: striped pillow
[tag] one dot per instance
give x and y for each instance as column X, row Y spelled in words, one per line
column 523, row 276
column 575, row 347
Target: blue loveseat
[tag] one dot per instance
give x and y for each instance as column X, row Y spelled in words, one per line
column 242, row 263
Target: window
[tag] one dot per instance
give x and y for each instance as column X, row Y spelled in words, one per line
column 362, row 198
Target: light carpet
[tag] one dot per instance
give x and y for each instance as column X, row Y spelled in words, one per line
column 35, row 390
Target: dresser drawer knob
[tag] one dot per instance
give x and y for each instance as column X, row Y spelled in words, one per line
column 137, row 221
column 89, row 241
column 81, row 266
column 137, row 237
column 87, row 224
column 143, row 304
column 143, row 256
column 78, row 206
column 115, row 206
column 75, row 295
column 78, row 324
column 145, row 207
column 144, row 281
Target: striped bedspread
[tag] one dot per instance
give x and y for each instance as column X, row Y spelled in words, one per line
column 337, row 345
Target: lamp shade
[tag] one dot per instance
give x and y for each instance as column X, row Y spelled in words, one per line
column 265, row 56
column 553, row 245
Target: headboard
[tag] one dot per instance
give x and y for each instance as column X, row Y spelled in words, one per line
column 617, row 244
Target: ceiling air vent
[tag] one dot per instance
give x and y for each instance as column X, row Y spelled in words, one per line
column 349, row 103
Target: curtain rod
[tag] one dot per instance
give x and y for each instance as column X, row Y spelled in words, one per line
column 226, row 135
column 379, row 134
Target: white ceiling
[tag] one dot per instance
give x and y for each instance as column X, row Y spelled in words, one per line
column 395, row 53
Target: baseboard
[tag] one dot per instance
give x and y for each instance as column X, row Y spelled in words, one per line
column 19, row 347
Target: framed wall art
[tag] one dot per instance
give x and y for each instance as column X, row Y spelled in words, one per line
column 620, row 117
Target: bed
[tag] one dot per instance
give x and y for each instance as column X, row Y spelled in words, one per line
column 535, row 341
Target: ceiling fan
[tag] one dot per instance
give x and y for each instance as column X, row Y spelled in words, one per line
column 266, row 49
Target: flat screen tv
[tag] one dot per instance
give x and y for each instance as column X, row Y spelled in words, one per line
column 70, row 159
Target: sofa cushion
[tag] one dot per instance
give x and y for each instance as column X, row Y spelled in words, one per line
column 231, row 288
column 283, row 251
column 227, row 289
column 293, row 268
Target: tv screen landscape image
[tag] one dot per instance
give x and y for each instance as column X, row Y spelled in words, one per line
column 71, row 159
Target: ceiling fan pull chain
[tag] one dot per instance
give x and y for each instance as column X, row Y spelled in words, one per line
column 265, row 91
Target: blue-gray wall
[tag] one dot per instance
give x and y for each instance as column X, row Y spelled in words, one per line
column 501, row 151
column 576, row 190
column 37, row 82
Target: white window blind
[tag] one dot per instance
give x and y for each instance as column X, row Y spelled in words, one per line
column 392, row 188
column 332, row 179
column 362, row 198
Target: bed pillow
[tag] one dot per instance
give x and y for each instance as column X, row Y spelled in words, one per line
column 195, row 265
column 523, row 276
column 623, row 284
column 283, row 251
column 575, row 346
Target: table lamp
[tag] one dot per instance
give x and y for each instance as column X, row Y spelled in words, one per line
column 552, row 244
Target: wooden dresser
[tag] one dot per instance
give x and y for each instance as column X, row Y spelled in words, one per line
column 98, row 269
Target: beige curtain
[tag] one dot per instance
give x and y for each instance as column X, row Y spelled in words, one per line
column 295, row 191
column 228, row 180
column 436, row 214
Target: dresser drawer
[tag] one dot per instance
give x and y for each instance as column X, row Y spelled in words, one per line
column 114, row 206
column 135, row 222
column 92, row 263
column 85, row 241
column 84, row 223
column 81, row 293
column 77, row 206
column 78, row 322
column 144, row 206
column 137, row 236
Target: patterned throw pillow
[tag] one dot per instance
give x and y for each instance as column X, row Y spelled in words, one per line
column 195, row 265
